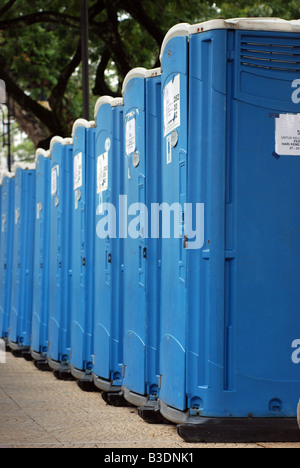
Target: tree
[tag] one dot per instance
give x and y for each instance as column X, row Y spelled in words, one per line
column 40, row 52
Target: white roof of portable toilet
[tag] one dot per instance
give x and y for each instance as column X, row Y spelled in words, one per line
column 250, row 24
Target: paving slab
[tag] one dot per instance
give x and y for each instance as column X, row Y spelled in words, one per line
column 39, row 411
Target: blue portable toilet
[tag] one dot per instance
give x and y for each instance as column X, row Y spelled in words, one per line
column 40, row 308
column 142, row 122
column 108, row 299
column 6, row 250
column 174, row 88
column 59, row 331
column 83, row 233
column 20, row 321
column 239, row 319
column 0, row 204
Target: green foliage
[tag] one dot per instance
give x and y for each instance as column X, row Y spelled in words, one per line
column 267, row 8
column 40, row 41
column 24, row 151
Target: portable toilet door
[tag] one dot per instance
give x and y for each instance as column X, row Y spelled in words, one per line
column 59, row 344
column 40, row 309
column 82, row 274
column 22, row 268
column 90, row 236
column 142, row 121
column 6, row 251
column 174, row 59
column 243, row 294
column 108, row 304
column 135, row 303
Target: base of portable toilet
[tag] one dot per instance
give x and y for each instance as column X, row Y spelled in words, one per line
column 60, row 370
column 196, row 429
column 37, row 356
column 85, row 379
column 112, row 395
column 116, row 399
column 86, row 386
column 240, row 430
column 106, row 385
column 42, row 365
column 6, row 344
column 19, row 352
column 62, row 374
column 152, row 415
column 40, row 361
column 27, row 355
column 17, row 347
column 145, row 406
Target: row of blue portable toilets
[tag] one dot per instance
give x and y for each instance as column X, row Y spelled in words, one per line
column 157, row 252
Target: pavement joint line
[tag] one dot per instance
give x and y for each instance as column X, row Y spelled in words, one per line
column 28, row 415
column 38, row 425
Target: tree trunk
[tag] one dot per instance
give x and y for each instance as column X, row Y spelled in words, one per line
column 36, row 131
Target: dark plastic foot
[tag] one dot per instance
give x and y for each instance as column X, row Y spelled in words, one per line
column 86, row 386
column 7, row 347
column 116, row 399
column 240, row 430
column 27, row 355
column 152, row 415
column 64, row 373
column 17, row 353
column 43, row 366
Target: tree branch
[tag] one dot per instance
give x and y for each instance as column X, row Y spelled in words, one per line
column 136, row 10
column 114, row 39
column 101, row 88
column 96, row 9
column 40, row 17
column 27, row 103
column 47, row 17
column 30, row 124
column 59, row 90
column 7, row 7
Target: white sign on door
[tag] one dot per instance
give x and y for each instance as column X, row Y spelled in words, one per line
column 102, row 172
column 172, row 105
column 288, row 135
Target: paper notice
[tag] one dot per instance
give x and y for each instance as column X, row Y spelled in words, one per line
column 169, row 103
column 288, row 135
column 102, row 173
column 39, row 208
column 54, row 175
column 130, row 137
column 172, row 105
column 77, row 171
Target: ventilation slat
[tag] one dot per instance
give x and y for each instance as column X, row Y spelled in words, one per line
column 275, row 40
column 279, row 48
column 271, row 57
column 276, row 56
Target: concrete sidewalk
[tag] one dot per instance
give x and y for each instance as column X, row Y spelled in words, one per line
column 37, row 410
